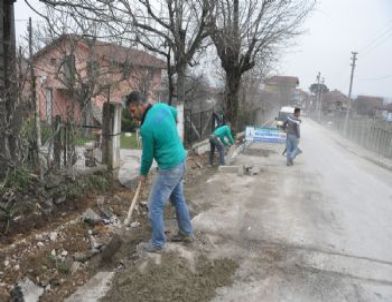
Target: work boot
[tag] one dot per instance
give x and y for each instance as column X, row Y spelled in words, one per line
column 183, row 238
column 150, row 248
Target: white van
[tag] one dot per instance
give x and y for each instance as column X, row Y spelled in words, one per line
column 283, row 113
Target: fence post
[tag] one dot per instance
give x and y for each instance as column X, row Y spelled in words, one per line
column 57, row 142
column 111, row 132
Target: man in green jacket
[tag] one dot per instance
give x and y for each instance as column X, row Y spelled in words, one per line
column 218, row 141
column 161, row 142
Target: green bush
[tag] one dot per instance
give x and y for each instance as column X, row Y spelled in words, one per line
column 127, row 124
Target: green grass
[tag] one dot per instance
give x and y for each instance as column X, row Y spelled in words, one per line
column 128, row 142
column 81, row 140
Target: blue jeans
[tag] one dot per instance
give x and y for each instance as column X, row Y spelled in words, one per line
column 216, row 143
column 292, row 149
column 168, row 184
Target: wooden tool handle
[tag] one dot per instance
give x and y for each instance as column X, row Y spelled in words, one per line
column 135, row 198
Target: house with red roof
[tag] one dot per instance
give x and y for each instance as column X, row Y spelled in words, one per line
column 76, row 75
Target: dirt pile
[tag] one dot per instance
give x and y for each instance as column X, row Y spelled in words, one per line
column 172, row 280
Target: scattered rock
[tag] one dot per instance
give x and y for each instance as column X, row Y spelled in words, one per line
column 6, row 263
column 53, row 181
column 44, row 282
column 254, row 171
column 117, row 199
column 49, row 202
column 100, row 201
column 48, row 206
column 26, row 290
column 94, row 243
column 60, row 200
column 53, row 253
column 17, row 294
column 40, row 237
column 106, row 212
column 40, row 244
column 64, row 253
column 135, row 224
column 17, row 267
column 90, row 217
column 83, row 256
column 53, row 236
column 75, row 267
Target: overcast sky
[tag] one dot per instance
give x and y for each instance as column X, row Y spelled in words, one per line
column 336, row 28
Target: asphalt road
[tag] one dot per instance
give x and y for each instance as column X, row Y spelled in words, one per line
column 318, row 231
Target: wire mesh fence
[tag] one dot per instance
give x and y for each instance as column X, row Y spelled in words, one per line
column 371, row 133
column 197, row 126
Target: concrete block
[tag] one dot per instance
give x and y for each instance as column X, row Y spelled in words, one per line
column 95, row 289
column 239, row 170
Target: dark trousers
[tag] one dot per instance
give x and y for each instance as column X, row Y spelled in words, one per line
column 215, row 143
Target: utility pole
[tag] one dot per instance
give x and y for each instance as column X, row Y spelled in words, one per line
column 318, row 96
column 354, row 59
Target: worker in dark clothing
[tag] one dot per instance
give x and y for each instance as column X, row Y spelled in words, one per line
column 218, row 141
column 291, row 125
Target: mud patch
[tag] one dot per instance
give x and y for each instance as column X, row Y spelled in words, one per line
column 173, row 280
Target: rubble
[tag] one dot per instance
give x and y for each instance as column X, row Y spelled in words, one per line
column 90, row 217
column 60, row 200
column 64, row 253
column 26, row 290
column 252, row 170
column 84, row 256
column 100, row 201
column 53, row 236
column 75, row 267
column 94, row 289
column 135, row 224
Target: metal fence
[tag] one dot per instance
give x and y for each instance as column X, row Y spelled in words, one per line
column 371, row 133
column 66, row 144
column 197, row 126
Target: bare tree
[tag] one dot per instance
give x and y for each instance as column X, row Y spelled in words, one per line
column 174, row 29
column 87, row 68
column 249, row 32
column 14, row 107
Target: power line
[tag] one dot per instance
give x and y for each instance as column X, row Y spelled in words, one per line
column 380, row 43
column 376, row 79
column 378, row 37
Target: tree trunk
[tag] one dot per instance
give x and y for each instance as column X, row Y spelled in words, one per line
column 181, row 74
column 233, row 82
column 8, row 89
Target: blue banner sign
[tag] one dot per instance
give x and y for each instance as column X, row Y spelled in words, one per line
column 265, row 135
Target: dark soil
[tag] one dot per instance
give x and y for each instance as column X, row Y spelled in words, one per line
column 172, row 280
column 38, row 265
